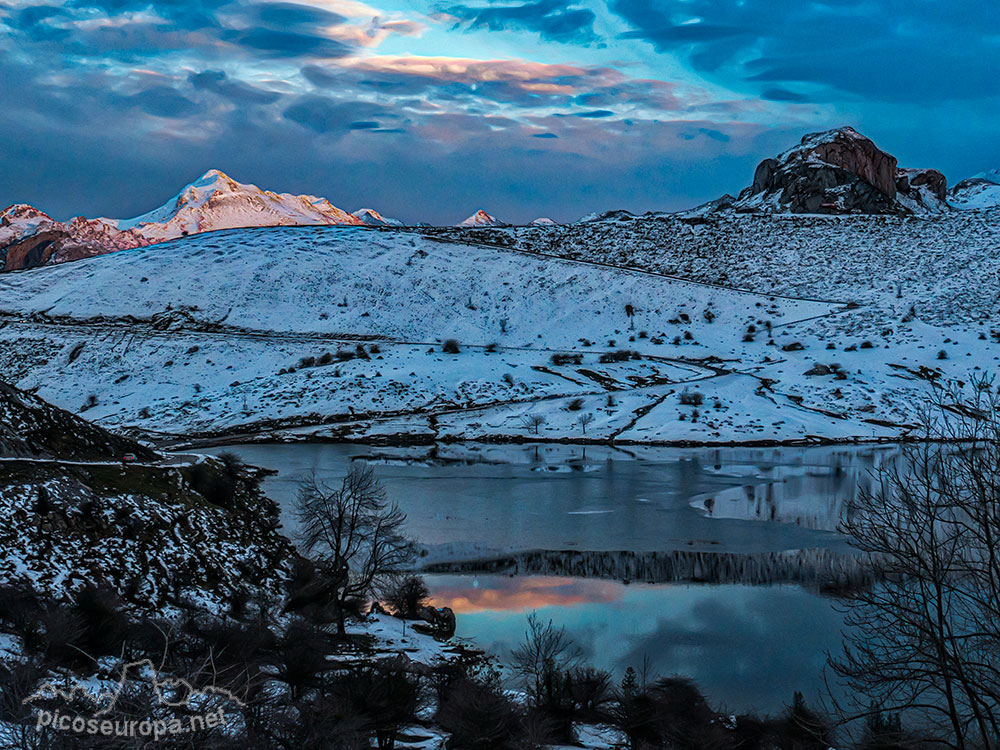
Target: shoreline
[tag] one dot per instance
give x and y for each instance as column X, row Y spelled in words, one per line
column 404, row 440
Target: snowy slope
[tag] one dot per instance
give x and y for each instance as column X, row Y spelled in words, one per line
column 980, row 191
column 396, row 285
column 300, row 328
column 343, row 331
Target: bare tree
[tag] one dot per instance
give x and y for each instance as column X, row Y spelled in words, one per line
column 545, row 655
column 355, row 534
column 926, row 638
column 533, row 421
column 584, row 420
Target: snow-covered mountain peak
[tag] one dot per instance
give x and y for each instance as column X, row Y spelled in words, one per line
column 213, row 176
column 991, row 175
column 20, row 220
column 22, row 212
column 373, row 218
column 212, row 182
column 217, row 201
column 542, row 221
column 481, row 219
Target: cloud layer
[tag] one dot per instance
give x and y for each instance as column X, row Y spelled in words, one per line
column 427, row 111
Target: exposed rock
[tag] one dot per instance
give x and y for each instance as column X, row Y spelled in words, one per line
column 839, row 171
column 440, row 622
column 30, row 238
column 32, row 428
column 907, row 179
column 922, row 190
column 818, row 369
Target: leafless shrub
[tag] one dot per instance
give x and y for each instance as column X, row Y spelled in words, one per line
column 928, row 637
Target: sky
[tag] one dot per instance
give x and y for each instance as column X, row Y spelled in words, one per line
column 427, row 110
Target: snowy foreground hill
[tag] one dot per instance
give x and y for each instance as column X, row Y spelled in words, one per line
column 357, row 333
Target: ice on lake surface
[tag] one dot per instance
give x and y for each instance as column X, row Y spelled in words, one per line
column 560, row 497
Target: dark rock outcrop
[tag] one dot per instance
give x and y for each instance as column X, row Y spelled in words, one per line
column 841, row 171
column 922, row 190
column 38, row 249
column 33, row 428
column 158, row 535
column 908, row 179
column 440, row 622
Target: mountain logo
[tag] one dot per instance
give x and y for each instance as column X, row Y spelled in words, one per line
column 171, row 692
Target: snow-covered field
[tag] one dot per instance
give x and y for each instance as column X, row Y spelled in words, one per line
column 341, row 332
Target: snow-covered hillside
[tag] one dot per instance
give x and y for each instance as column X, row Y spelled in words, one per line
column 980, row 191
column 389, row 334
column 944, row 266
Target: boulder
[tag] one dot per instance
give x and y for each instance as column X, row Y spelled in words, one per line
column 440, row 622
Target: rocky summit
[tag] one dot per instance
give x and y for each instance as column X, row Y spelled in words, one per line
column 841, row 171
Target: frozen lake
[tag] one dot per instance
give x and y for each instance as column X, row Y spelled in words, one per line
column 749, row 643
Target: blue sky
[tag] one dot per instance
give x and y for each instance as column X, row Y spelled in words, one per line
column 427, row 110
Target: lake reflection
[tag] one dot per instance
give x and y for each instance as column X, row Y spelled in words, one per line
column 748, row 647
column 589, row 518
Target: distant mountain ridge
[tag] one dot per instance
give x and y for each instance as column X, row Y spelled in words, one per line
column 836, row 171
column 979, row 191
column 30, row 238
column 373, row 218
